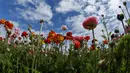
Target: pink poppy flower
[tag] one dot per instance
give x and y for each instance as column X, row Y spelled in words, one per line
column 87, row 38
column 90, row 23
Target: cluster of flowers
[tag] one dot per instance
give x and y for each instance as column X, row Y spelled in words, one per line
column 89, row 24
column 121, row 17
column 8, row 25
column 53, row 37
column 30, row 37
column 58, row 38
column 37, row 41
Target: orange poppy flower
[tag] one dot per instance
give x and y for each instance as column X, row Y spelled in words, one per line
column 2, row 21
column 58, row 38
column 33, row 34
column 47, row 41
column 51, row 35
column 9, row 25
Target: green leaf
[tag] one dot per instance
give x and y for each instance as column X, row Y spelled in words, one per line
column 103, row 36
column 109, row 33
column 128, row 21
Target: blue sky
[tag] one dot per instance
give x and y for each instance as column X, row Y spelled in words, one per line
column 56, row 13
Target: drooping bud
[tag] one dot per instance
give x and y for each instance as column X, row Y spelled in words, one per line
column 41, row 21
column 124, row 3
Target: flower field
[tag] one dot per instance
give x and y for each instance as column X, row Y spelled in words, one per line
column 31, row 52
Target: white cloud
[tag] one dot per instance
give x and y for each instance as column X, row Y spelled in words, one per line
column 16, row 24
column 114, row 4
column 85, row 7
column 77, row 28
column 90, row 9
column 96, row 8
column 45, row 32
column 34, row 10
column 23, row 2
column 70, row 5
column 76, row 23
column 65, row 6
column 2, row 31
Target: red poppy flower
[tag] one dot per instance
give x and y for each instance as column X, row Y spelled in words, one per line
column 76, row 44
column 19, row 38
column 105, row 42
column 9, row 25
column 87, row 38
column 24, row 34
column 1, row 38
column 69, row 36
column 79, row 38
column 92, row 47
column 90, row 23
column 47, row 41
column 14, row 36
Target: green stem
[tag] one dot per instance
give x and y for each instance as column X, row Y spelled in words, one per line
column 93, row 36
column 33, row 63
column 39, row 37
column 127, row 11
column 41, row 29
column 95, row 51
column 127, row 62
column 106, row 29
column 107, row 35
column 36, row 63
column 123, row 26
column 17, row 66
column 124, row 13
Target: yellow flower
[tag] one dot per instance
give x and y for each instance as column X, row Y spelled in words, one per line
column 58, row 38
column 42, row 42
